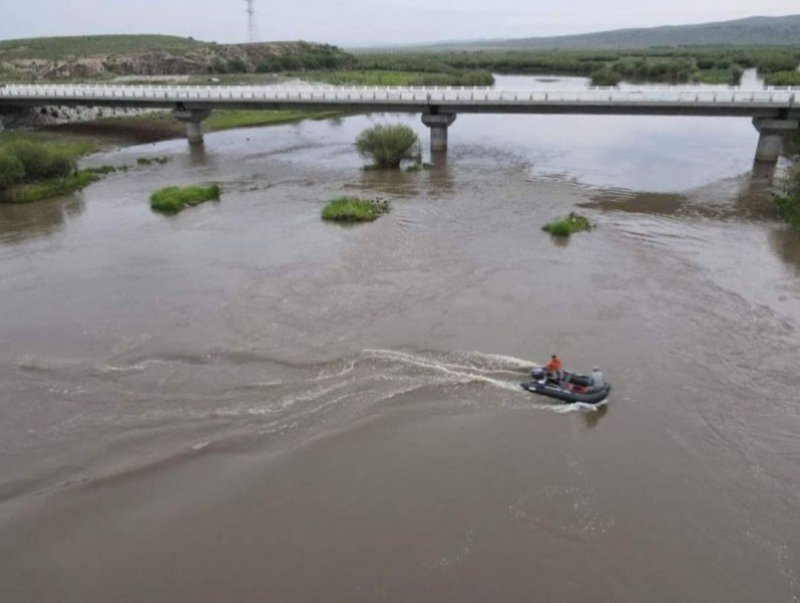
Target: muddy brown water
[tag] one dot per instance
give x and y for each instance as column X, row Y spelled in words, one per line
column 243, row 403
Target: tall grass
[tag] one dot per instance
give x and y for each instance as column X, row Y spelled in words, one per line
column 388, row 145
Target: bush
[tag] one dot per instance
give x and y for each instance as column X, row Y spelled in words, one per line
column 388, row 145
column 237, row 65
column 40, row 162
column 11, row 170
column 347, row 209
column 173, row 199
column 219, row 66
column 567, row 226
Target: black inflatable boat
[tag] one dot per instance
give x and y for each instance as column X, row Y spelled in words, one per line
column 573, row 388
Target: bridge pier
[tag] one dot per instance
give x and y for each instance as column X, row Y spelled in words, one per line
column 193, row 118
column 771, row 134
column 438, row 124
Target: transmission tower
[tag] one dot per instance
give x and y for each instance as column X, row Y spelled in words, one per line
column 252, row 26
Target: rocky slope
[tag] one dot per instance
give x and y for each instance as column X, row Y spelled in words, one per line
column 108, row 56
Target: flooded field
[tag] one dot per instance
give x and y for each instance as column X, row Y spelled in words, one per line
column 244, row 403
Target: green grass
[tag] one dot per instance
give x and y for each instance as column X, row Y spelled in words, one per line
column 229, row 119
column 732, row 76
column 37, row 191
column 348, row 209
column 61, row 47
column 783, row 78
column 375, row 77
column 35, row 167
column 566, row 226
column 74, row 147
column 606, row 67
column 172, row 199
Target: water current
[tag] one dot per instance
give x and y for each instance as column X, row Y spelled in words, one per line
column 244, row 403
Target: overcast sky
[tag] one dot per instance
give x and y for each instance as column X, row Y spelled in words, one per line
column 365, row 22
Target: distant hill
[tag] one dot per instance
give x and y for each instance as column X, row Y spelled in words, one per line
column 61, row 48
column 753, row 31
column 106, row 56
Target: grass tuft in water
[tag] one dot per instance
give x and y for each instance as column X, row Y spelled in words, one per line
column 566, row 226
column 388, row 145
column 348, row 209
column 47, row 189
column 152, row 160
column 172, row 199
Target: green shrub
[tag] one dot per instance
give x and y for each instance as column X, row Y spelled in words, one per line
column 347, row 209
column 40, row 162
column 173, row 199
column 237, row 65
column 388, row 145
column 566, row 226
column 605, row 77
column 218, row 65
column 11, row 170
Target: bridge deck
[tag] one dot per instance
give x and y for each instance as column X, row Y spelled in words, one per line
column 643, row 101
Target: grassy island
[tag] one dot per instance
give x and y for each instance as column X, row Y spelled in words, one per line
column 566, row 226
column 172, row 199
column 348, row 209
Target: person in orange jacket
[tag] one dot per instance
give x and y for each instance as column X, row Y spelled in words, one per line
column 554, row 369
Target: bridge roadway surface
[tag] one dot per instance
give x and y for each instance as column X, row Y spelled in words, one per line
column 783, row 103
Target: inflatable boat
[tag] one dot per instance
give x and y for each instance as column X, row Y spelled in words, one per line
column 573, row 388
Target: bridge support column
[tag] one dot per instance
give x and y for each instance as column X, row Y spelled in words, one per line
column 438, row 123
column 193, row 118
column 771, row 133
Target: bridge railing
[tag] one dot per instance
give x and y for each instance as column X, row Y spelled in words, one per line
column 777, row 97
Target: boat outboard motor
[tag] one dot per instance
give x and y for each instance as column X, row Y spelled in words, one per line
column 538, row 373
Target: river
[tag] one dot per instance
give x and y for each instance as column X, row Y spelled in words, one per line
column 243, row 403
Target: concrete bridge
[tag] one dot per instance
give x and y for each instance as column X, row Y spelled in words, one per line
column 774, row 112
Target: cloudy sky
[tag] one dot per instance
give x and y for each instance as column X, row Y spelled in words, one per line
column 365, row 22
